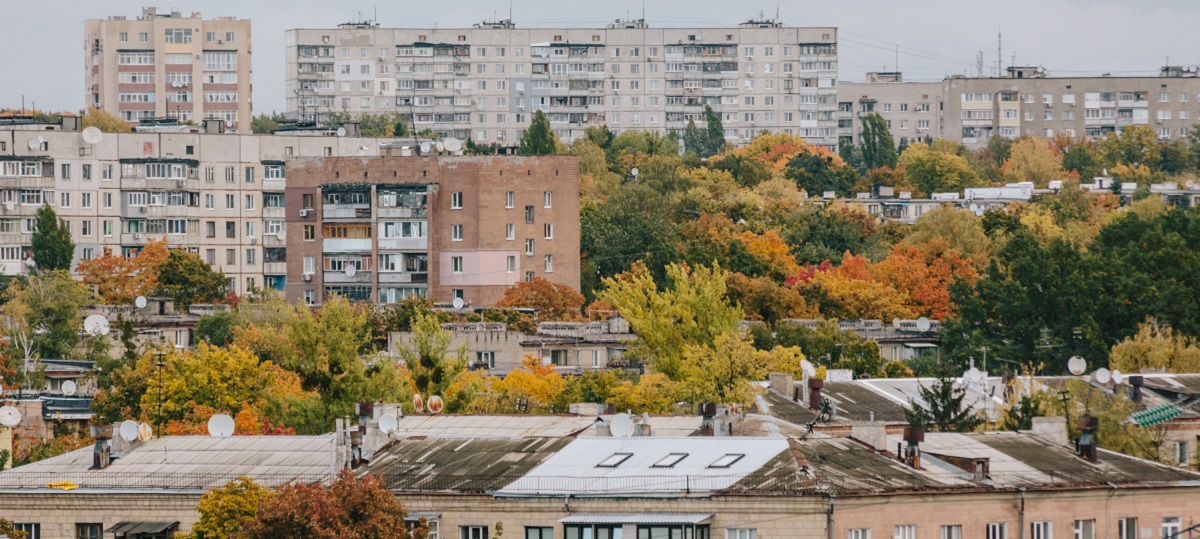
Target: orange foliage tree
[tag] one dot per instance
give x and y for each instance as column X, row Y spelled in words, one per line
column 924, row 273
column 552, row 301
column 118, row 280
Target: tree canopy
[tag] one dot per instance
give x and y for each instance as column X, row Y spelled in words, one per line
column 51, row 243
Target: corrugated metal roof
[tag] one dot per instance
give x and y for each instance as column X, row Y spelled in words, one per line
column 458, row 464
column 498, row 426
column 638, row 518
column 130, row 528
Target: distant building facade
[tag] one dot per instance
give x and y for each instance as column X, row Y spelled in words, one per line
column 167, row 65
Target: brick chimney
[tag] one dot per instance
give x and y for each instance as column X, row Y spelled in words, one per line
column 814, row 392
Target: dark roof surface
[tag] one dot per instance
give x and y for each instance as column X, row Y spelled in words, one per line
column 459, row 464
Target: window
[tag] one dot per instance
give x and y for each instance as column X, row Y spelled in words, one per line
column 456, row 199
column 1170, row 527
column 176, row 226
column 474, row 532
column 547, row 198
column 456, row 264
column 1127, row 528
column 549, row 267
column 273, row 172
column 210, row 230
column 509, row 199
column 510, row 231
column 730, row 533
column 615, row 460
column 249, row 202
column 310, row 232
column 1041, row 530
column 528, row 214
column 860, row 533
column 65, row 173
column 456, row 232
column 1181, row 453
column 953, row 531
column 230, row 230
column 310, row 297
column 995, row 530
column 1085, row 529
column 727, row 460
column 34, row 531
column 310, row 265
column 529, row 247
column 531, row 532
column 250, row 257
column 670, row 460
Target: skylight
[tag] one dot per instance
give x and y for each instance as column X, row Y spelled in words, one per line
column 615, row 460
column 670, row 460
column 726, row 461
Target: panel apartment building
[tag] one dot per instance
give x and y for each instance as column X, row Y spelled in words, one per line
column 167, row 65
column 219, row 195
column 388, row 228
column 486, row 82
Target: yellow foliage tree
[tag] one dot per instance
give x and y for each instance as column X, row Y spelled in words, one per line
column 105, row 121
column 1032, row 159
column 654, row 393
column 1156, row 347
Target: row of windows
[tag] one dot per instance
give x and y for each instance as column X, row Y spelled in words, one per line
column 176, row 35
column 1127, row 528
column 510, row 199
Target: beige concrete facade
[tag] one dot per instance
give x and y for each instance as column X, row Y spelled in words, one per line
column 167, row 65
column 486, row 82
column 911, row 109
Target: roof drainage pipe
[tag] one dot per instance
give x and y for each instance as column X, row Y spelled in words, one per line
column 829, row 517
column 1021, row 517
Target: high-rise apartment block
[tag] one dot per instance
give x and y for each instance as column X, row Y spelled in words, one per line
column 485, row 82
column 167, row 65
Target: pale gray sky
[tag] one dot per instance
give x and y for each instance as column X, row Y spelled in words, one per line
column 42, row 54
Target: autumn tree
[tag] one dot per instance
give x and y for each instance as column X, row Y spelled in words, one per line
column 924, row 274
column 7, row 529
column 430, row 358
column 52, row 245
column 1156, row 347
column 1112, row 408
column 960, row 229
column 118, row 280
column 225, row 510
column 934, row 171
column 535, row 387
column 817, row 171
column 1032, row 159
column 44, row 316
column 349, row 508
column 538, row 138
column 552, row 301
column 105, row 121
column 1135, row 145
column 942, row 405
column 187, row 279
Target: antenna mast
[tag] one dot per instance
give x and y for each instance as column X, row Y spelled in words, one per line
column 999, row 53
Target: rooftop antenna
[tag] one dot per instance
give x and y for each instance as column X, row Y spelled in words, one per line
column 999, row 53
column 979, row 64
column 897, row 58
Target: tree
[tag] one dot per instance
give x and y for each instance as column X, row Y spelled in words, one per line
column 187, row 279
column 384, row 124
column 1112, row 408
column 538, row 139
column 52, row 245
column 44, row 316
column 943, row 407
column 934, row 171
column 960, row 229
column 1156, row 347
column 1134, row 146
column 817, row 171
column 1032, row 160
column 105, row 121
column 1080, row 159
column 429, row 357
column 876, row 143
column 225, row 510
column 349, row 508
column 216, row 329
column 924, row 274
column 118, row 280
column 694, row 140
column 553, row 301
column 265, row 124
column 715, row 130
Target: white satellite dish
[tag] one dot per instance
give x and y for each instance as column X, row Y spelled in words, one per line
column 282, row 235
column 35, row 143
column 69, row 388
column 807, row 368
column 351, row 271
column 145, row 432
column 621, row 426
column 441, row 147
column 95, row 324
column 452, row 144
column 458, row 303
column 1103, row 375
column 140, row 302
column 1076, row 365
column 923, row 324
column 10, row 416
column 92, row 135
column 1117, row 376
column 973, row 375
column 633, row 172
column 895, row 323
column 128, row 430
column 341, row 131
column 388, row 423
column 424, row 148
column 220, row 426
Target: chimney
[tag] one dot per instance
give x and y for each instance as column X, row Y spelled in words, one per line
column 356, row 455
column 1135, row 388
column 1052, row 428
column 1086, row 446
column 101, row 452
column 602, row 428
column 872, row 433
column 814, row 392
column 214, row 127
column 708, row 422
column 912, row 452
column 365, row 412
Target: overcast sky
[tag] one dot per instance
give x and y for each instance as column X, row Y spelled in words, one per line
column 41, row 54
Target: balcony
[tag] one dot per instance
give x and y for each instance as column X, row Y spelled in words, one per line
column 401, row 277
column 133, row 238
column 340, row 277
column 401, row 212
column 273, row 212
column 273, row 240
column 346, row 245
column 274, row 268
column 403, row 244
column 345, row 211
column 27, row 182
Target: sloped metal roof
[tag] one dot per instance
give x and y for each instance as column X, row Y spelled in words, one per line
column 458, row 464
column 638, row 518
column 494, row 426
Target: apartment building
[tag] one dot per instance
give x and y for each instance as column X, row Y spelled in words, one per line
column 168, row 65
column 219, row 195
column 912, row 110
column 444, row 227
column 486, row 82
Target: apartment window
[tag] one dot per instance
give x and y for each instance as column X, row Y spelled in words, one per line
column 250, row 257
column 1171, row 527
column 456, row 264
column 509, row 199
column 908, row 531
column 87, row 200
column 529, row 247
column 547, row 198
column 210, row 229
column 1164, row 97
column 531, row 532
column 730, row 533
column 310, row 265
column 230, row 229
column 953, row 531
column 548, row 228
column 1043, row 529
column 1127, row 528
column 456, row 232
column 529, row 214
column 1085, row 529
column 510, row 231
column 310, row 297
column 860, row 533
column 310, row 232
column 510, row 265
column 1181, row 453
column 549, row 267
column 143, row 37
column 996, row 530
column 209, row 201
column 65, row 171
column 249, row 202
column 34, row 530
column 250, row 229
column 123, row 37
column 230, row 201
column 65, row 200
column 456, row 199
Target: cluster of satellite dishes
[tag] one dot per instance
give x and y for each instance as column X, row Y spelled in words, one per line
column 451, row 145
column 434, row 405
column 131, row 430
column 1077, row 365
column 923, row 324
column 97, row 324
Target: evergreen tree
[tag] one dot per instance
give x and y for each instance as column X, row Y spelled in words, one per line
column 538, row 139
column 52, row 245
column 694, row 140
column 716, row 131
column 877, row 146
column 942, row 406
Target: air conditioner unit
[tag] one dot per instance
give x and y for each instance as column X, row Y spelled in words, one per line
column 253, row 241
column 303, row 213
column 141, row 209
column 137, row 236
column 307, row 277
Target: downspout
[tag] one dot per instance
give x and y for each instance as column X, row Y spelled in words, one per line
column 829, row 517
column 1108, row 508
column 1021, row 516
column 567, row 504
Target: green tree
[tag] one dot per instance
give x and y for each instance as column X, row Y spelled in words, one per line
column 1079, row 158
column 265, row 124
column 959, row 228
column 429, row 356
column 708, row 142
column 934, row 171
column 217, row 328
column 878, row 147
column 538, row 139
column 52, row 245
column 185, row 278
column 942, row 405
column 1020, row 415
column 817, row 172
column 104, row 121
column 225, row 510
column 716, row 131
column 1156, row 347
column 45, row 315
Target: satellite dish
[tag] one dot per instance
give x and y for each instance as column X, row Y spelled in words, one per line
column 923, row 324
column 351, row 271
column 807, row 368
column 424, row 148
column 92, row 135
column 973, row 375
column 1102, row 375
column 633, row 172
column 341, row 132
column 220, row 426
column 452, row 144
column 895, row 323
column 458, row 303
column 140, row 302
column 69, row 388
column 388, row 423
column 35, row 143
column 621, row 426
column 436, row 404
column 145, row 432
column 1077, row 365
column 128, row 430
column 281, row 235
column 1117, row 377
column 418, row 403
column 10, row 416
column 441, row 147
column 95, row 324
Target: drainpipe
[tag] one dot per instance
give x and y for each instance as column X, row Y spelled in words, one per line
column 1021, row 517
column 567, row 504
column 829, row 517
